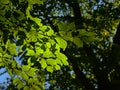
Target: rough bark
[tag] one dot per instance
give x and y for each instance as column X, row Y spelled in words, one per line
column 101, row 75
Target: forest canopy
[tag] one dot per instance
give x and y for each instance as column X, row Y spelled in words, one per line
column 60, row 44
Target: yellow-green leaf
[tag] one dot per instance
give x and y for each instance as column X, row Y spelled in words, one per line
column 43, row 63
column 62, row 43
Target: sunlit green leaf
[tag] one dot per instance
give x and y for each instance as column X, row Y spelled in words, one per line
column 50, row 32
column 38, row 21
column 62, row 57
column 48, row 54
column 48, row 44
column 57, row 67
column 31, row 72
column 61, row 42
column 30, row 52
column 39, row 51
column 11, row 48
column 25, row 68
column 50, row 69
column 51, row 62
column 43, row 63
column 59, row 62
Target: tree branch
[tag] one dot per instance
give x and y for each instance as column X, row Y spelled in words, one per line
column 116, row 39
column 80, row 77
column 103, row 78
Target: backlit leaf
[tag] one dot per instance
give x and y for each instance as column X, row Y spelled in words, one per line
column 77, row 41
column 51, row 62
column 30, row 52
column 31, row 72
column 43, row 63
column 57, row 67
column 50, row 69
column 50, row 32
column 48, row 53
column 62, row 57
column 61, row 42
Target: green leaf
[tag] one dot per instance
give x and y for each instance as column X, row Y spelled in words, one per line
column 51, row 62
column 2, row 18
column 77, row 41
column 35, row 87
column 31, row 60
column 25, row 68
column 57, row 67
column 18, row 72
column 50, row 69
column 62, row 26
column 10, row 72
column 30, row 52
column 38, row 21
column 89, row 39
column 43, row 63
column 28, row 10
column 62, row 57
column 13, row 64
column 4, row 1
column 21, row 15
column 43, row 28
column 20, row 85
column 31, row 72
column 31, row 81
column 68, row 36
column 61, row 42
column 35, row 1
column 24, row 76
column 66, row 27
column 59, row 62
column 90, row 34
column 50, row 32
column 26, row 88
column 48, row 44
column 65, row 62
column 39, row 51
column 1, row 64
column 82, row 32
column 11, row 48
column 48, row 54
column 16, row 80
